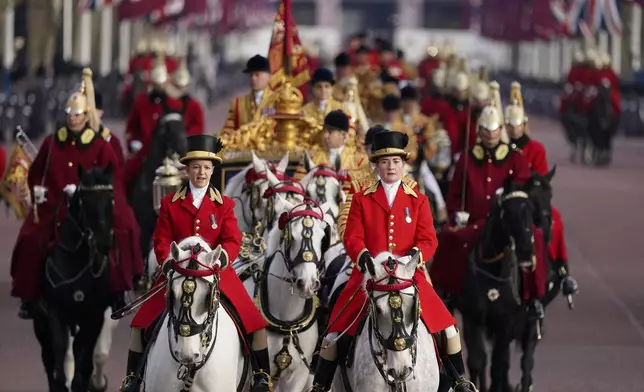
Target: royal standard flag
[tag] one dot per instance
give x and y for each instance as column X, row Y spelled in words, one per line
column 15, row 187
column 286, row 44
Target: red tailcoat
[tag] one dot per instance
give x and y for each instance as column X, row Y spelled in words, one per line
column 535, row 154
column 193, row 116
column 458, row 142
column 485, row 174
column 395, row 68
column 116, row 145
column 373, row 226
column 66, row 152
column 578, row 79
column 426, row 67
column 439, row 105
column 146, row 111
column 216, row 224
column 461, row 112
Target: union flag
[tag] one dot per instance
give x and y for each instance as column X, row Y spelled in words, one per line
column 15, row 187
column 286, row 44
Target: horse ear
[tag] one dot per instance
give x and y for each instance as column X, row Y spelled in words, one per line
column 412, row 265
column 175, row 251
column 213, row 256
column 272, row 179
column 551, row 173
column 258, row 165
column 342, row 197
column 281, row 204
column 326, row 207
column 308, row 162
column 283, row 165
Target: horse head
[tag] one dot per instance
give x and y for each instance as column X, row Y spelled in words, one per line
column 92, row 206
column 293, row 192
column 322, row 184
column 394, row 315
column 192, row 299
column 171, row 131
column 539, row 189
column 301, row 238
column 509, row 224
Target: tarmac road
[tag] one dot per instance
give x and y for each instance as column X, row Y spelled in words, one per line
column 598, row 347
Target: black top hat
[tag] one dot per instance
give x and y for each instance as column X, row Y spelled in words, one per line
column 368, row 138
column 203, row 147
column 409, row 93
column 390, row 103
column 342, row 60
column 387, row 144
column 257, row 63
column 337, row 120
column 322, row 75
column 385, row 77
column 98, row 100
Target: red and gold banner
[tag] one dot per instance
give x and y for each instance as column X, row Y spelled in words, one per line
column 286, row 44
column 14, row 187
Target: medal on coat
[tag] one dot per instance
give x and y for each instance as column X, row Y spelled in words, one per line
column 407, row 215
column 213, row 221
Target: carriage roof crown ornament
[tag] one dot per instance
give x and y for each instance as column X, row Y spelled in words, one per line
column 514, row 112
column 289, row 100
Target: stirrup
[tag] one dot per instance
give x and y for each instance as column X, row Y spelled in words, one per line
column 268, row 378
column 463, row 381
column 132, row 378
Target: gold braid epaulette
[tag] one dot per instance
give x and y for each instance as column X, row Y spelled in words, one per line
column 409, row 181
column 343, row 216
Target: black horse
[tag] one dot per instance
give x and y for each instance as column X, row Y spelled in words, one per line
column 575, row 125
column 76, row 283
column 491, row 301
column 168, row 137
column 602, row 126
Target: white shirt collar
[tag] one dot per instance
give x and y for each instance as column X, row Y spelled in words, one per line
column 258, row 97
column 391, row 190
column 322, row 105
column 197, row 195
column 407, row 118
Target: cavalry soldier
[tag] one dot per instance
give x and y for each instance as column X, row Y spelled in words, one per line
column 148, row 108
column 535, row 154
column 193, row 113
column 459, row 100
column 254, row 104
column 389, row 216
column 53, row 176
column 479, row 98
column 437, row 102
column 179, row 217
column 428, row 65
column 365, row 69
column 112, row 139
column 486, row 168
column 336, row 153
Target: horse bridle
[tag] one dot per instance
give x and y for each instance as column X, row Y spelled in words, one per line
column 306, row 253
column 252, row 189
column 183, row 323
column 399, row 339
column 320, row 175
column 284, row 187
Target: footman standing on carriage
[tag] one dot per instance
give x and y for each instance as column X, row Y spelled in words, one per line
column 254, row 104
column 53, row 178
column 535, row 154
column 199, row 209
column 390, row 216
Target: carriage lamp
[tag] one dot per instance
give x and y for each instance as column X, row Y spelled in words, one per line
column 180, row 166
column 168, row 179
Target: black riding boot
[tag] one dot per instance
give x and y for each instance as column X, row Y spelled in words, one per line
column 132, row 381
column 324, row 374
column 536, row 310
column 455, row 368
column 31, row 308
column 261, row 381
column 25, row 312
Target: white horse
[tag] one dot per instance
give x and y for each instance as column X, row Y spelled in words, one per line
column 98, row 381
column 247, row 189
column 323, row 185
column 408, row 361
column 287, row 292
column 215, row 351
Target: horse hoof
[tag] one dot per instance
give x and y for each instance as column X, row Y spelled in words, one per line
column 526, row 388
column 94, row 388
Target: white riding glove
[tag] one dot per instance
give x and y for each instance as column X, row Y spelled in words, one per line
column 70, row 189
column 40, row 194
column 136, row 146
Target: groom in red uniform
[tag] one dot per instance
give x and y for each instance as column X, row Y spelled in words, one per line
column 390, row 216
column 198, row 209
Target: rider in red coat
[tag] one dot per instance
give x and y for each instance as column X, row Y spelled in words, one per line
column 193, row 114
column 146, row 111
column 487, row 166
column 198, row 209
column 105, row 132
column 53, row 177
column 389, row 216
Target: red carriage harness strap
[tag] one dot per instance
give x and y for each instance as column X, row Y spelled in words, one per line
column 284, row 187
column 194, row 252
column 252, row 175
column 402, row 284
column 292, row 214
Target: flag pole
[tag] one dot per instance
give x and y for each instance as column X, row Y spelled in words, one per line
column 288, row 39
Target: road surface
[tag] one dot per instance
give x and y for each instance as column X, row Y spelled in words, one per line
column 598, row 347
